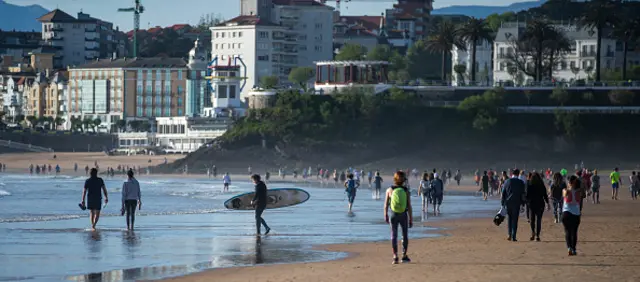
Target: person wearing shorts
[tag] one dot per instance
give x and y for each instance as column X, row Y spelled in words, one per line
column 92, row 192
column 351, row 186
column 616, row 181
column 378, row 184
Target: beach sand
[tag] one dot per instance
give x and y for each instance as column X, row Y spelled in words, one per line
column 477, row 250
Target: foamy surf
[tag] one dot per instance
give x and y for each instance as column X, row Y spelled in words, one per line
column 4, row 193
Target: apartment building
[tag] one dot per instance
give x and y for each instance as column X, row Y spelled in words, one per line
column 290, row 34
column 18, row 44
column 577, row 64
column 139, row 88
column 411, row 17
column 484, row 64
column 81, row 39
column 362, row 30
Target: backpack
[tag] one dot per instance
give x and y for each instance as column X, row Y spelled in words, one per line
column 399, row 200
column 436, row 186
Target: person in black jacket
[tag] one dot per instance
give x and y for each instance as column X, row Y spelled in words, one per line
column 513, row 198
column 260, row 202
column 536, row 197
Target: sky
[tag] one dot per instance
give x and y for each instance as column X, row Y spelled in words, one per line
column 170, row 12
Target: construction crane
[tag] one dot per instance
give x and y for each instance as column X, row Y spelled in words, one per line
column 137, row 10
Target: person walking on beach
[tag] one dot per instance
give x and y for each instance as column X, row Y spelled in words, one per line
column 485, row 185
column 571, row 214
column 398, row 200
column 557, row 186
column 595, row 187
column 378, row 185
column 513, row 198
column 130, row 199
column 458, row 177
column 226, row 181
column 633, row 185
column 437, row 193
column 92, row 192
column 424, row 190
column 351, row 187
column 260, row 202
column 537, row 198
column 616, row 181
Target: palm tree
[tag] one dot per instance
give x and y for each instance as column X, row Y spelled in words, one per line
column 538, row 32
column 597, row 16
column 58, row 121
column 442, row 40
column 96, row 123
column 86, row 123
column 475, row 31
column 32, row 121
column 557, row 44
column 122, row 125
column 627, row 31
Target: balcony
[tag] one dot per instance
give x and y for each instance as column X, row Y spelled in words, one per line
column 588, row 54
column 91, row 39
column 609, row 54
column 92, row 48
column 57, row 29
column 90, row 30
column 56, row 38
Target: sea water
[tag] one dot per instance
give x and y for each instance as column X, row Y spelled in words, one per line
column 181, row 228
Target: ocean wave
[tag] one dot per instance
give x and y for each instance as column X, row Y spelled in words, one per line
column 4, row 193
column 76, row 216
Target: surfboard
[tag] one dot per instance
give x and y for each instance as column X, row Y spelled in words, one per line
column 277, row 198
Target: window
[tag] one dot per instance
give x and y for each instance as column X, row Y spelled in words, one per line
column 158, row 87
column 228, row 45
column 263, row 46
column 158, row 112
column 584, row 64
column 573, row 64
column 222, row 91
column 318, row 48
column 217, row 34
column 232, row 91
column 158, row 74
column 216, row 47
column 180, row 90
column 318, row 25
column 149, row 75
column 222, row 34
column 167, row 111
column 222, row 46
column 179, row 74
column 167, row 75
column 233, row 34
column 167, row 100
column 180, row 112
column 167, row 87
column 239, row 33
column 233, row 46
column 148, row 88
column 263, row 58
column 139, row 111
column 239, row 45
column 139, row 87
column 263, row 34
column 179, row 101
column 149, row 101
column 148, row 112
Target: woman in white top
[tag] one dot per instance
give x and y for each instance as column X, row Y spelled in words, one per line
column 571, row 213
column 425, row 191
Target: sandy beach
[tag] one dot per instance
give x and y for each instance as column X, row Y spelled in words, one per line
column 477, row 250
column 472, row 250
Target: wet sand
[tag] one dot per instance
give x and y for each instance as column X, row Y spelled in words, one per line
column 477, row 250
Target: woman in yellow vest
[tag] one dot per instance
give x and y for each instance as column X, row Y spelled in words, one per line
column 398, row 199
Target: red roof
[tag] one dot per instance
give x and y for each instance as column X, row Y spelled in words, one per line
column 369, row 22
column 155, row 30
column 179, row 26
column 246, row 20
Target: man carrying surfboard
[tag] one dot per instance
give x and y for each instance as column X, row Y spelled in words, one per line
column 260, row 202
column 398, row 199
column 351, row 186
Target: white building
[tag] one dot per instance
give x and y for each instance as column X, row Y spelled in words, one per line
column 484, row 71
column 272, row 41
column 76, row 39
column 577, row 64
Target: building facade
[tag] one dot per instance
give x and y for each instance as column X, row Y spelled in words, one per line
column 484, row 64
column 577, row 64
column 410, row 16
column 290, row 34
column 79, row 40
column 139, row 88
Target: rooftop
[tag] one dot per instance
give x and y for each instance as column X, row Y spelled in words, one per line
column 155, row 62
column 369, row 22
column 298, row 3
column 246, row 20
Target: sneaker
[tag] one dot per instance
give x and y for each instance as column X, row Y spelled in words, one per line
column 575, row 253
column 406, row 259
column 508, row 238
column 531, row 239
column 514, row 240
column 395, row 261
column 267, row 231
column 538, row 239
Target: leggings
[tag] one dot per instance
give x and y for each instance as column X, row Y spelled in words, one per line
column 401, row 219
column 535, row 216
column 130, row 210
column 571, row 223
column 557, row 208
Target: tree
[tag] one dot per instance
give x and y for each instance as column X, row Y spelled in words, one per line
column 460, row 70
column 269, row 82
column 19, row 118
column 494, row 21
column 627, row 30
column 567, row 122
column 380, row 53
column 87, row 123
column 538, row 32
column 58, row 121
column 442, row 40
column 208, row 20
column 96, row 123
column 301, row 76
column 561, row 95
column 351, row 52
column 621, row 97
column 32, row 121
column 557, row 45
column 475, row 31
column 484, row 108
column 597, row 16
column 122, row 125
